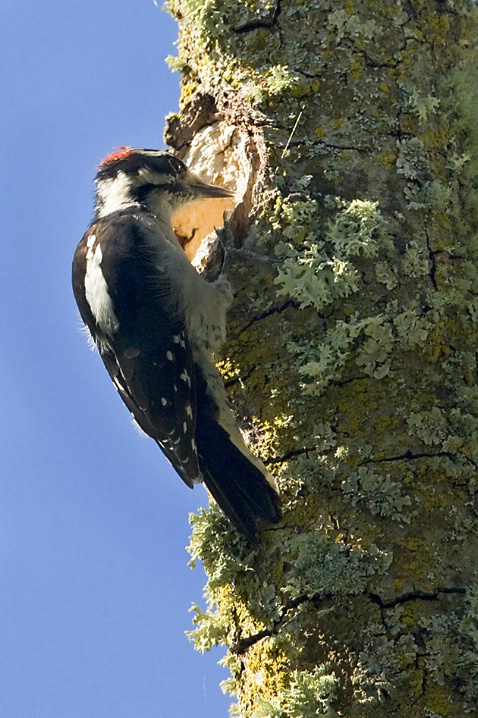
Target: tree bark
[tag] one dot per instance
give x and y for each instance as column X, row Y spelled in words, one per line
column 349, row 130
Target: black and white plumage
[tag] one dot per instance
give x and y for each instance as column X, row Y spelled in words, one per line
column 156, row 322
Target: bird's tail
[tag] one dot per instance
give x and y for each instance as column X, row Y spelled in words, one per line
column 238, row 484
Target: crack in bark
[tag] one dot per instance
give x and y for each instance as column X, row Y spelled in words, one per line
column 432, row 258
column 343, row 382
column 366, row 149
column 243, row 644
column 259, row 317
column 415, row 596
column 270, row 312
column 239, row 379
column 409, row 456
column 376, row 64
column 267, row 21
column 288, row 455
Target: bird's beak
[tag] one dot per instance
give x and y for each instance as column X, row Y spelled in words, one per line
column 201, row 189
column 211, row 190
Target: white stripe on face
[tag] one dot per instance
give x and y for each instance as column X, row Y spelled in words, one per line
column 113, row 194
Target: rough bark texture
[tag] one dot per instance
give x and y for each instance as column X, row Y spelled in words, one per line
column 352, row 358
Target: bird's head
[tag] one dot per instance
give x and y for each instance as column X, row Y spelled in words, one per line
column 152, row 178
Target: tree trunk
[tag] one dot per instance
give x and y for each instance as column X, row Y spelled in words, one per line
column 349, row 129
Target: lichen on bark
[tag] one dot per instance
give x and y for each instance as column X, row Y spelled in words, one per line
column 351, row 359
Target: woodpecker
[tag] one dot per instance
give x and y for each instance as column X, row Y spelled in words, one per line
column 157, row 322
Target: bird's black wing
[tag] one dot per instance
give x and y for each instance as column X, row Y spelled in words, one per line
column 148, row 355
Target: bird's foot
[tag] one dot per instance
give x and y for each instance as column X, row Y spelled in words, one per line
column 226, row 239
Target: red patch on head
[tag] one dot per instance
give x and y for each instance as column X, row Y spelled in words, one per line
column 119, row 154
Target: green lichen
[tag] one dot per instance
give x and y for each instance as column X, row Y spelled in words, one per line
column 375, row 354
column 378, row 493
column 321, row 364
column 376, row 338
column 423, row 107
column 468, row 655
column 311, row 694
column 415, row 262
column 346, row 25
column 412, row 161
column 412, row 328
column 357, row 229
column 454, row 431
column 452, row 647
column 321, row 271
column 386, row 274
column 323, row 567
column 279, row 79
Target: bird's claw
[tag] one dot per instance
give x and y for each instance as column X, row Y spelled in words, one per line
column 226, row 240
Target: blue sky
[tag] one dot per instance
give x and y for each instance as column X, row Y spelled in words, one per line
column 95, row 588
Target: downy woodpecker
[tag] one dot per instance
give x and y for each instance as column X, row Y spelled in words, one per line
column 156, row 323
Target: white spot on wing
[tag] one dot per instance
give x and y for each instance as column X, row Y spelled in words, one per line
column 169, row 356
column 96, row 290
column 185, row 377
